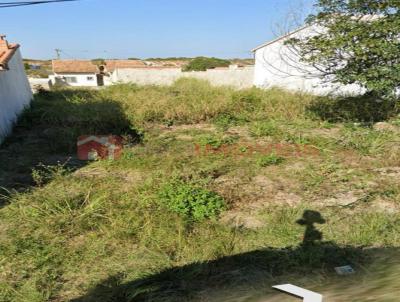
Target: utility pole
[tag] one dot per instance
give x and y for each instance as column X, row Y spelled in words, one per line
column 58, row 53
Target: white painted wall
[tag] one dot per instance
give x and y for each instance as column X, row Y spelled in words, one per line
column 15, row 93
column 42, row 82
column 239, row 78
column 277, row 65
column 146, row 76
column 81, row 79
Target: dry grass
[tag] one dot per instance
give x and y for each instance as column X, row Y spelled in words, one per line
column 101, row 232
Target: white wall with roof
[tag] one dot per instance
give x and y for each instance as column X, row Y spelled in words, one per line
column 236, row 77
column 74, row 79
column 277, row 64
column 15, row 93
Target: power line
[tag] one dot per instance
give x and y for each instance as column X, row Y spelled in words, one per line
column 26, row 3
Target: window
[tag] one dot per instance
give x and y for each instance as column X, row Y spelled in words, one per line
column 71, row 80
column 90, row 78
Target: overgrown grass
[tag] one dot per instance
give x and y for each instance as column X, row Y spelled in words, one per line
column 193, row 101
column 161, row 221
column 367, row 109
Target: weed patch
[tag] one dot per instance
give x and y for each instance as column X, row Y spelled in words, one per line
column 366, row 140
column 191, row 201
column 368, row 109
column 215, row 141
column 266, row 128
column 270, row 160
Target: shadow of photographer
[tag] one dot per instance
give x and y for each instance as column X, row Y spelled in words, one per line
column 242, row 272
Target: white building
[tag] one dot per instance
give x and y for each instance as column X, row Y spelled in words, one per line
column 15, row 92
column 279, row 65
column 112, row 68
column 76, row 73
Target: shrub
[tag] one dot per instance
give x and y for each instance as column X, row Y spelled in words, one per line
column 270, row 160
column 203, row 63
column 365, row 108
column 226, row 120
column 43, row 174
column 191, row 200
column 250, row 100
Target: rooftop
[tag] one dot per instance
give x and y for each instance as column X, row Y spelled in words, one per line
column 111, row 65
column 74, row 66
column 6, row 52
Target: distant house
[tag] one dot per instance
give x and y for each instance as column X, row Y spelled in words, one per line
column 34, row 66
column 111, row 68
column 277, row 64
column 15, row 92
column 76, row 73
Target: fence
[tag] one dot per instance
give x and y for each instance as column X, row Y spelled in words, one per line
column 236, row 77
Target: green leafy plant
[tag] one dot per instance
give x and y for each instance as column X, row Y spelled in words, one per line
column 270, row 160
column 204, row 63
column 226, row 120
column 42, row 174
column 191, row 200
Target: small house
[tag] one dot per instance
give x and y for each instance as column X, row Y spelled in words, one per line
column 76, row 73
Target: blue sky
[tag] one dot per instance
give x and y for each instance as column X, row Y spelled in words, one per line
column 148, row 28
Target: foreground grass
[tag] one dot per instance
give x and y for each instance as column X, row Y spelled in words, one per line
column 256, row 161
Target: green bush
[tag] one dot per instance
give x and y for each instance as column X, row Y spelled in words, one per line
column 365, row 108
column 191, row 200
column 270, row 160
column 226, row 120
column 203, row 63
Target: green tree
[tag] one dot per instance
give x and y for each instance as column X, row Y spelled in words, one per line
column 99, row 61
column 358, row 43
column 204, row 63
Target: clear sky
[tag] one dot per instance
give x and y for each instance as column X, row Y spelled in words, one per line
column 148, row 28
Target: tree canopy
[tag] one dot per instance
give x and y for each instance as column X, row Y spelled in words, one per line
column 359, row 43
column 204, row 63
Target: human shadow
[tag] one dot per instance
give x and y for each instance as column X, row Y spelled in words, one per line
column 366, row 108
column 311, row 234
column 237, row 273
column 47, row 132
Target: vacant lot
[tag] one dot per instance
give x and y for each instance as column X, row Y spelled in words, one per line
column 219, row 195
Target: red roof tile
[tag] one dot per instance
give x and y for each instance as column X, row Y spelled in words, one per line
column 6, row 52
column 74, row 66
column 111, row 65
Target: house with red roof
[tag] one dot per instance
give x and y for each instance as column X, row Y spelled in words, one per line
column 76, row 73
column 15, row 92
